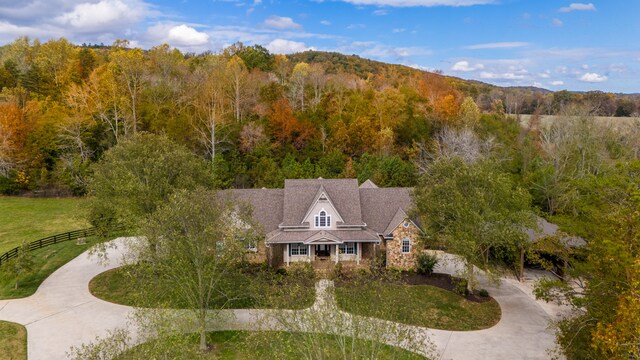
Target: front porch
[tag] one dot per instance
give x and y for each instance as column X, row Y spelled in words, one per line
column 323, row 255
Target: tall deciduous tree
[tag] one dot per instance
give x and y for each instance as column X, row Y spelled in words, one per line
column 469, row 112
column 473, row 210
column 129, row 65
column 209, row 102
column 603, row 288
column 298, row 83
column 237, row 75
column 201, row 239
column 138, row 175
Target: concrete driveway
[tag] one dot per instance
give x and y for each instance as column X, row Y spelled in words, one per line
column 62, row 314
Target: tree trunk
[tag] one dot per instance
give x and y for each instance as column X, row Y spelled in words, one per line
column 203, row 339
column 470, row 277
column 521, row 270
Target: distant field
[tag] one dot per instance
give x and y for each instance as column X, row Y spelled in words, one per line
column 28, row 219
column 547, row 120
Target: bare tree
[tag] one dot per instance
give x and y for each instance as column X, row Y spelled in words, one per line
column 452, row 143
column 209, row 102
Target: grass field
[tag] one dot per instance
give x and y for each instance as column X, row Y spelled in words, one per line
column 547, row 120
column 230, row 345
column 45, row 261
column 250, row 292
column 28, row 219
column 13, row 341
column 421, row 305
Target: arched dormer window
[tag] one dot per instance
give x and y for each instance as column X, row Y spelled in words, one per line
column 322, row 220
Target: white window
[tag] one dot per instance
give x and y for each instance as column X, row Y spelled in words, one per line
column 349, row 248
column 252, row 246
column 406, row 246
column 298, row 249
column 322, row 220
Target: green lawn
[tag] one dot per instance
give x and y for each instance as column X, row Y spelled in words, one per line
column 230, row 345
column 46, row 261
column 28, row 219
column 421, row 305
column 249, row 292
column 13, row 341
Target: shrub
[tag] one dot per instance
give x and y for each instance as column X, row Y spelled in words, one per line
column 379, row 263
column 8, row 186
column 338, row 272
column 302, row 271
column 425, row 264
column 483, row 293
column 460, row 286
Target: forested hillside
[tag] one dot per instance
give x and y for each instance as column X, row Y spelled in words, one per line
column 259, row 117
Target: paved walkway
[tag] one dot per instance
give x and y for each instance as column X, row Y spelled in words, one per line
column 62, row 313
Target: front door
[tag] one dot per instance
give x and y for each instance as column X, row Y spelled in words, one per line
column 322, row 250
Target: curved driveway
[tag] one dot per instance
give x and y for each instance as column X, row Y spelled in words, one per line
column 62, row 313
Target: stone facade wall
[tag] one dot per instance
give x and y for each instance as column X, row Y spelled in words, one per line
column 395, row 258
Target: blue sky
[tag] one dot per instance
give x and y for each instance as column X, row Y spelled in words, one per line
column 555, row 44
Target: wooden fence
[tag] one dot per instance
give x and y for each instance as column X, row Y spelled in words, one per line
column 49, row 240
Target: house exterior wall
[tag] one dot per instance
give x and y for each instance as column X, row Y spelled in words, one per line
column 395, row 258
column 276, row 254
column 258, row 256
column 296, row 258
column 326, row 205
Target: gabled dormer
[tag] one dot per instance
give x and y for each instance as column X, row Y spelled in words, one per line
column 322, row 214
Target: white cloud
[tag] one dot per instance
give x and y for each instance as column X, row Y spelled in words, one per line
column 281, row 22
column 183, row 35
column 415, row 3
column 380, row 12
column 545, row 75
column 498, row 45
column 618, row 67
column 103, row 16
column 556, row 83
column 578, row 7
column 399, row 30
column 557, row 22
column 356, row 26
column 325, row 22
column 282, row 46
column 464, row 66
column 593, row 78
column 501, row 76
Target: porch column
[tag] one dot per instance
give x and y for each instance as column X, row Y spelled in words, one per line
column 309, row 253
column 358, row 252
column 335, row 248
column 286, row 255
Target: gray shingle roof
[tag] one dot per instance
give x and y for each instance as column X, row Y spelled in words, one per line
column 379, row 206
column 382, row 209
column 550, row 229
column 395, row 221
column 266, row 203
column 368, row 185
column 280, row 236
column 299, row 195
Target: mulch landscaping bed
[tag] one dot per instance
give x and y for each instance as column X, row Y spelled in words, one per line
column 443, row 281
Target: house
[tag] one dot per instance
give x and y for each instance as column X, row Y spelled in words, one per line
column 327, row 221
